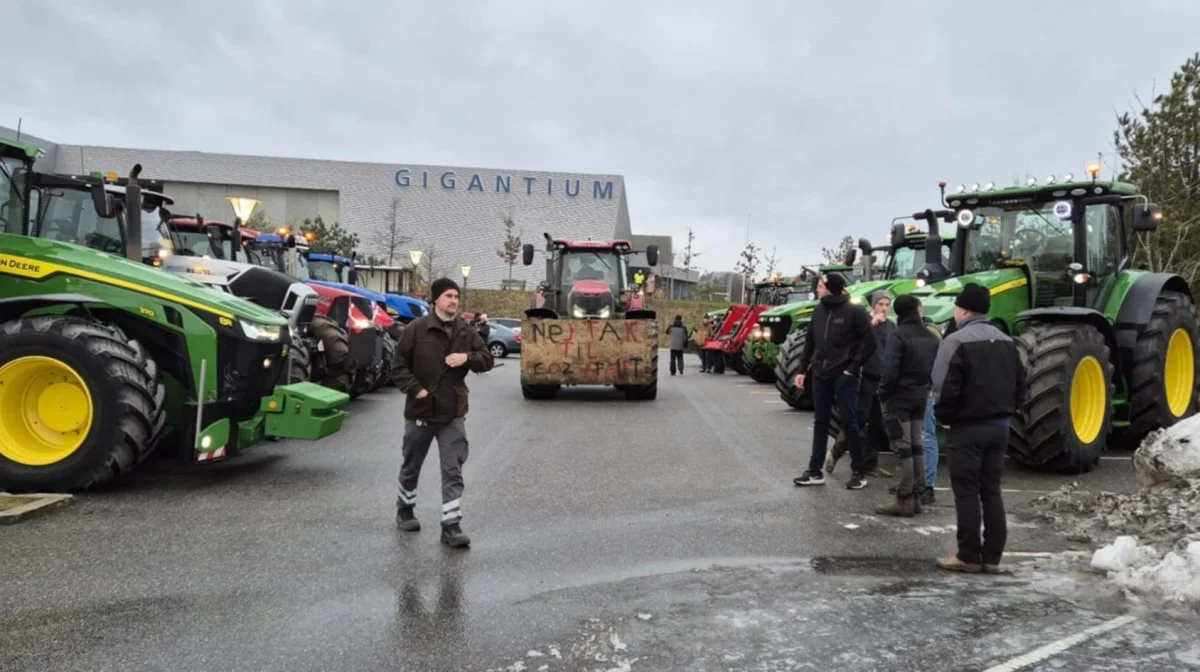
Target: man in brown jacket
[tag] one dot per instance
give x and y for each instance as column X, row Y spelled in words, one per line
column 428, row 368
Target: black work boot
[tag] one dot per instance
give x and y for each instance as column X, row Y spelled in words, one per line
column 927, row 497
column 903, row 507
column 405, row 520
column 452, row 535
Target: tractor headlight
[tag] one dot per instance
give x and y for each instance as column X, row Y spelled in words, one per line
column 261, row 332
column 577, row 312
column 605, row 312
column 766, row 334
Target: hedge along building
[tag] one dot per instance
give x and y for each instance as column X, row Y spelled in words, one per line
column 454, row 213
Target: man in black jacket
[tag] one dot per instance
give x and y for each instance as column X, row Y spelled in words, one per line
column 978, row 388
column 903, row 392
column 837, row 344
column 430, row 367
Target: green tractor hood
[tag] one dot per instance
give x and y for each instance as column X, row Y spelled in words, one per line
column 937, row 300
column 39, row 258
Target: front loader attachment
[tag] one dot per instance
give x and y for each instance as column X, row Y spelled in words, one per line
column 618, row 352
column 302, row 411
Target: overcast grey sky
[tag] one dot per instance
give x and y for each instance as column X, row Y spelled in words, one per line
column 807, row 120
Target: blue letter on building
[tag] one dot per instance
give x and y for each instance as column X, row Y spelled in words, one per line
column 476, row 183
column 402, row 177
column 529, row 184
column 569, row 188
column 504, row 182
column 450, row 184
column 597, row 192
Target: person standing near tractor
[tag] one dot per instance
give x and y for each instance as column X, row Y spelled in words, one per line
column 838, row 342
column 430, row 367
column 978, row 387
column 701, row 337
column 677, row 336
column 903, row 394
column 869, row 413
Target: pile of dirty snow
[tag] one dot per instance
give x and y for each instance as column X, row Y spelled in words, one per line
column 1150, row 538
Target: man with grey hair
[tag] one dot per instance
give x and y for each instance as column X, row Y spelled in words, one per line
column 978, row 387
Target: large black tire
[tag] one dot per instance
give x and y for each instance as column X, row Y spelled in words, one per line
column 334, row 348
column 761, row 373
column 1062, row 395
column 383, row 376
column 299, row 363
column 647, row 392
column 1150, row 408
column 737, row 363
column 787, row 366
column 127, row 398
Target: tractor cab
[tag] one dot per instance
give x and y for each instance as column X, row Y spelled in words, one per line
column 588, row 279
column 332, row 268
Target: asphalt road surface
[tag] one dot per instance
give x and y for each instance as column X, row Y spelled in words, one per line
column 607, row 535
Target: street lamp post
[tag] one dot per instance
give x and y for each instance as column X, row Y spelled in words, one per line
column 415, row 257
column 466, row 271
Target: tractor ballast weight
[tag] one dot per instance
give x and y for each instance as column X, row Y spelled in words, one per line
column 588, row 324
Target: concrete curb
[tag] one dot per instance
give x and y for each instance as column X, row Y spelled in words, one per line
column 38, row 504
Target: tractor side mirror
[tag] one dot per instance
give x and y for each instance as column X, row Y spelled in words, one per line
column 1146, row 217
column 865, row 246
column 106, row 208
column 851, row 256
column 527, row 254
column 652, row 255
column 897, row 236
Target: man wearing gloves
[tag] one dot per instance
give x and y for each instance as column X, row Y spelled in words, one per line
column 837, row 345
column 903, row 392
column 978, row 387
column 430, row 367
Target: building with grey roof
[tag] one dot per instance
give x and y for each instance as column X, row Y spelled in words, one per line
column 454, row 214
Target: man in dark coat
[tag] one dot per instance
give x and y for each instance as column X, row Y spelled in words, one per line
column 430, row 367
column 677, row 335
column 903, row 392
column 869, row 413
column 978, row 387
column 837, row 344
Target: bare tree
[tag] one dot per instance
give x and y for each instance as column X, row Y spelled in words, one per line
column 747, row 265
column 772, row 263
column 395, row 239
column 511, row 250
column 689, row 255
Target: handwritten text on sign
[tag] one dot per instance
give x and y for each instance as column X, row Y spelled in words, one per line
column 587, row 352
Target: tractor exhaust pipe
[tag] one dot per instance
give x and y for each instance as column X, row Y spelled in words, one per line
column 133, row 216
column 933, row 270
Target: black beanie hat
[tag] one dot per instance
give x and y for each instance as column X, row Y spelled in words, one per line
column 835, row 283
column 905, row 305
column 441, row 286
column 974, row 298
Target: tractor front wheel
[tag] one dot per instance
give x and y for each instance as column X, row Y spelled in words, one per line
column 1166, row 368
column 787, row 367
column 1067, row 415
column 647, row 392
column 80, row 404
column 333, row 344
column 383, row 375
column 761, row 373
column 540, row 391
column 737, row 363
column 299, row 363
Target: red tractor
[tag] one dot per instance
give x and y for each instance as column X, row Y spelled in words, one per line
column 589, row 325
column 361, row 365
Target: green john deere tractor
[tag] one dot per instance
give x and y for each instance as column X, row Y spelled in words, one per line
column 762, row 345
column 103, row 358
column 906, row 265
column 1110, row 351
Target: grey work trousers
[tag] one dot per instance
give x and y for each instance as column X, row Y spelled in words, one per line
column 452, row 449
column 904, row 420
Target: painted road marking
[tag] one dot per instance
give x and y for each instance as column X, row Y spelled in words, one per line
column 1054, row 648
column 772, row 401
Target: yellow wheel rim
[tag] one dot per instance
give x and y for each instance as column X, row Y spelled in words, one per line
column 1179, row 373
column 1089, row 399
column 46, row 411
